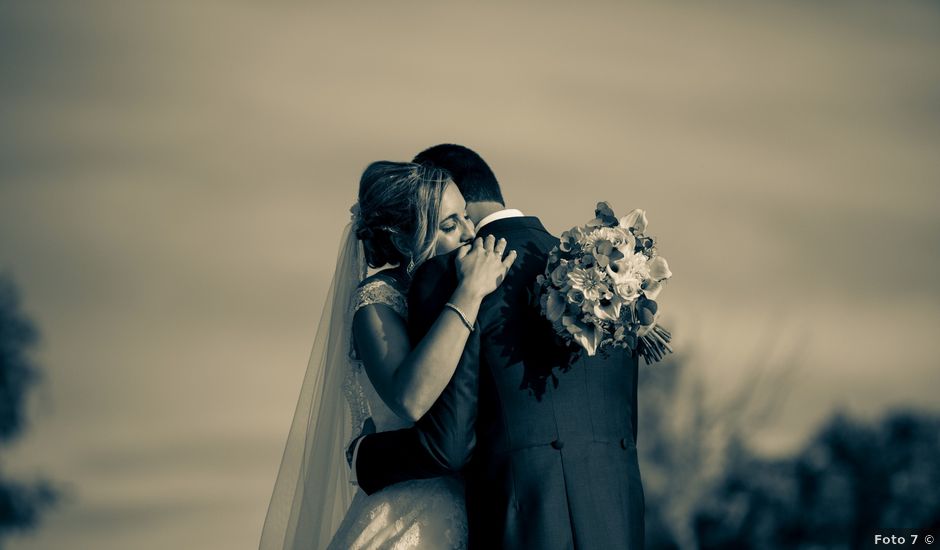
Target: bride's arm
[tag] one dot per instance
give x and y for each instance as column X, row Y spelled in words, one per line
column 410, row 380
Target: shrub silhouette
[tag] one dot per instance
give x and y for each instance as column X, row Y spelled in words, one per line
column 21, row 503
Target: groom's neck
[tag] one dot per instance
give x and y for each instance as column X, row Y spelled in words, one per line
column 479, row 210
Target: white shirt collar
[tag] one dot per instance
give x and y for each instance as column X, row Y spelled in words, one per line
column 499, row 215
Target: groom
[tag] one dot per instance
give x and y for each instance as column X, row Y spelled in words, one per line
column 544, row 436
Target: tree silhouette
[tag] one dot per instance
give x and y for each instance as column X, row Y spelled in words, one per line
column 21, row 503
column 685, row 442
column 706, row 488
column 852, row 480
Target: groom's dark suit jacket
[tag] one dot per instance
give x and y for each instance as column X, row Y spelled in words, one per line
column 553, row 444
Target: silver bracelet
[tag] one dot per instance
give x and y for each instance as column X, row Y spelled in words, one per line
column 460, row 314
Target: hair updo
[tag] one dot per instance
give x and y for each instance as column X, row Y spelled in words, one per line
column 399, row 207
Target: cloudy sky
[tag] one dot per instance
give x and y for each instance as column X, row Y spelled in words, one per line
column 174, row 177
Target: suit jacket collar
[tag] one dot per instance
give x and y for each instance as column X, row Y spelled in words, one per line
column 504, row 225
column 498, row 215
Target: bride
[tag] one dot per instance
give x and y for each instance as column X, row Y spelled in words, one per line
column 363, row 366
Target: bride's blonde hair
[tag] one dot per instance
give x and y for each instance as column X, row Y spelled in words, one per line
column 399, row 210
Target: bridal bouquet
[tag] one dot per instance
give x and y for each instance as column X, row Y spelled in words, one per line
column 600, row 286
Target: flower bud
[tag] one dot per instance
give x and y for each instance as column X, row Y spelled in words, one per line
column 646, row 316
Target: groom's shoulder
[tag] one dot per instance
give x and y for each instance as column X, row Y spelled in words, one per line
column 431, row 286
column 433, row 274
column 436, row 266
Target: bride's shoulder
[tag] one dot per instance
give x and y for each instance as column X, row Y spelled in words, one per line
column 381, row 288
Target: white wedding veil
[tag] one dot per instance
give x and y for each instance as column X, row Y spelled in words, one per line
column 312, row 491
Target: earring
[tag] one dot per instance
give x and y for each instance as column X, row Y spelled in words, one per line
column 411, row 267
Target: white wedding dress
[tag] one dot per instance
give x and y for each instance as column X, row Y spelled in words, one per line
column 419, row 514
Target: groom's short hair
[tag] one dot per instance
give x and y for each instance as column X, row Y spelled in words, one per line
column 469, row 171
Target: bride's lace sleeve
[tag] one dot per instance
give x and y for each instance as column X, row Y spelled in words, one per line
column 378, row 291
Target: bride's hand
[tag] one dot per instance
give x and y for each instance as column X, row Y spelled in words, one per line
column 481, row 267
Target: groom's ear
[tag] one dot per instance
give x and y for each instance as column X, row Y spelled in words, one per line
column 475, row 211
